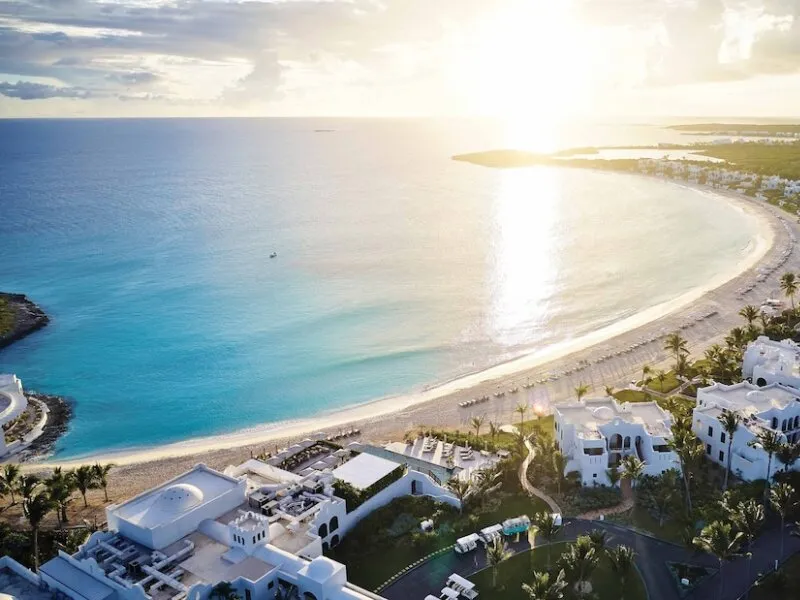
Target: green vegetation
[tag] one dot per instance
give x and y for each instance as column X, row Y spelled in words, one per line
column 761, row 159
column 6, row 317
column 492, row 439
column 632, row 396
column 783, row 583
column 512, row 573
column 354, row 497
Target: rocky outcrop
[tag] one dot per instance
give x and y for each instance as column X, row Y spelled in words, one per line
column 28, row 317
column 60, row 413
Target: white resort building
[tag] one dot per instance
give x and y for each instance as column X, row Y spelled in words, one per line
column 596, row 434
column 12, row 404
column 766, row 361
column 773, row 407
column 262, row 528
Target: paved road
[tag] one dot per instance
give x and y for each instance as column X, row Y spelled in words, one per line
column 652, row 556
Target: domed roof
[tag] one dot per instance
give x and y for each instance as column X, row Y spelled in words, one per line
column 179, row 498
column 755, row 395
column 603, row 413
column 321, row 569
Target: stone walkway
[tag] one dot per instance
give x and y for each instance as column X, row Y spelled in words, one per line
column 624, row 506
column 526, row 484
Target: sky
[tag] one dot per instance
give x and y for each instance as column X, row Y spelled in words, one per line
column 372, row 58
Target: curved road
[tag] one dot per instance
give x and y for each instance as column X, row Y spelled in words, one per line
column 526, row 484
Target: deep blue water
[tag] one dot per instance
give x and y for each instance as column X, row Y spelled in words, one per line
column 148, row 243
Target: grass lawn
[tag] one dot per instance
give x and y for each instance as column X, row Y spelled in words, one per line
column 517, row 570
column 641, row 519
column 372, row 557
column 791, row 591
column 631, row 396
column 670, row 383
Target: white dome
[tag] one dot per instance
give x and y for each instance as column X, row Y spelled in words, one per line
column 179, row 498
column 603, row 413
column 321, row 569
column 755, row 395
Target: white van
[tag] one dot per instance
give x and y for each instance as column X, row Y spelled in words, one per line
column 490, row 534
column 467, row 543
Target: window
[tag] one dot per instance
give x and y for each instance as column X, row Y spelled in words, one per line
column 270, row 585
column 309, row 596
column 708, row 449
column 710, row 431
column 247, row 595
column 334, row 541
column 254, row 539
column 323, row 530
column 783, row 425
column 774, row 422
column 721, row 456
column 334, row 524
column 722, row 437
column 594, row 475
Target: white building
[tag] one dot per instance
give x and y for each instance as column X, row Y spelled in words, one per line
column 12, row 404
column 596, row 434
column 766, row 361
column 259, row 527
column 774, row 407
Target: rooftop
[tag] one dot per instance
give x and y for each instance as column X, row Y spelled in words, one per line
column 17, row 587
column 777, row 357
column 364, row 470
column 166, row 502
column 588, row 415
column 746, row 398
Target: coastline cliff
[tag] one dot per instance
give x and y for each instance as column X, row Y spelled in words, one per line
column 19, row 317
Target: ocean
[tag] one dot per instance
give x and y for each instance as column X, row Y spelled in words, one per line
column 148, row 242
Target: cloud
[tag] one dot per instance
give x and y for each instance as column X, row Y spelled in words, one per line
column 26, row 90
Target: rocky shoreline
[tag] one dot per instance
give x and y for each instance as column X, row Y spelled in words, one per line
column 58, row 417
column 28, row 317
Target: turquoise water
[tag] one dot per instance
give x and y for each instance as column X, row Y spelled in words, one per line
column 149, row 241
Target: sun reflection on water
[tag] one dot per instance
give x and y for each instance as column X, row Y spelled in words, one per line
column 525, row 253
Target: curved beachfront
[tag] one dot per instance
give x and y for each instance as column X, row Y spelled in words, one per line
column 612, row 355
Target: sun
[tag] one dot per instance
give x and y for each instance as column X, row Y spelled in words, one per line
column 530, row 64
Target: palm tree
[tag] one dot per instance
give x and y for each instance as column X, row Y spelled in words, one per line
column 749, row 313
column 533, row 531
column 521, row 409
column 85, row 480
column 718, row 539
column 730, row 420
column 548, row 529
column 460, row 489
column 598, row 539
column 781, row 497
column 581, row 391
column 789, row 285
column 662, row 498
column 496, row 552
column 736, row 339
column 494, row 431
column 27, row 485
column 681, row 366
column 622, row 560
column 689, row 451
column 559, row 464
column 632, row 468
column 748, row 517
column 35, row 508
column 676, row 344
column 9, row 478
column 661, row 376
column 60, row 486
column 770, row 442
column 224, row 591
column 476, row 423
column 646, row 370
column 613, row 476
column 580, row 560
column 544, row 587
column 101, row 476
column 788, row 454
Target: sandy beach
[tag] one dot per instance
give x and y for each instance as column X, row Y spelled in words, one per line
column 703, row 315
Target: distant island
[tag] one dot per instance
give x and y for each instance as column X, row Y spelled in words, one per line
column 742, row 129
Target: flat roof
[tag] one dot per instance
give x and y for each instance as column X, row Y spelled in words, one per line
column 83, row 585
column 750, row 399
column 364, row 470
column 778, row 357
column 168, row 501
column 589, row 415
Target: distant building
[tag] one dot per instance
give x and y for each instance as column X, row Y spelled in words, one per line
column 774, row 407
column 596, row 434
column 12, row 404
column 766, row 361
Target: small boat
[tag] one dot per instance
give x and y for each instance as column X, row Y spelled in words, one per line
column 273, row 255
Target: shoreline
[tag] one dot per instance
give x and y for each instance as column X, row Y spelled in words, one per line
column 425, row 404
column 28, row 318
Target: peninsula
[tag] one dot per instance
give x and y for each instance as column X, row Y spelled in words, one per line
column 19, row 317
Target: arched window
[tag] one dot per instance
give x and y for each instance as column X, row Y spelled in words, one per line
column 309, row 596
column 783, row 425
column 627, row 442
column 796, row 422
column 323, row 530
column 774, row 422
column 334, row 541
column 325, row 546
column 334, row 524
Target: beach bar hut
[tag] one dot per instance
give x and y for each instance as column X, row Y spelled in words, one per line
column 516, row 525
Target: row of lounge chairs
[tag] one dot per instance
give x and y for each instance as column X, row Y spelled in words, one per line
column 343, row 434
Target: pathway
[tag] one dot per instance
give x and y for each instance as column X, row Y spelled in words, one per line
column 526, row 484
column 624, row 506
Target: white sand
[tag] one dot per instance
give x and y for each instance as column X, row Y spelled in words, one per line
column 422, row 408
